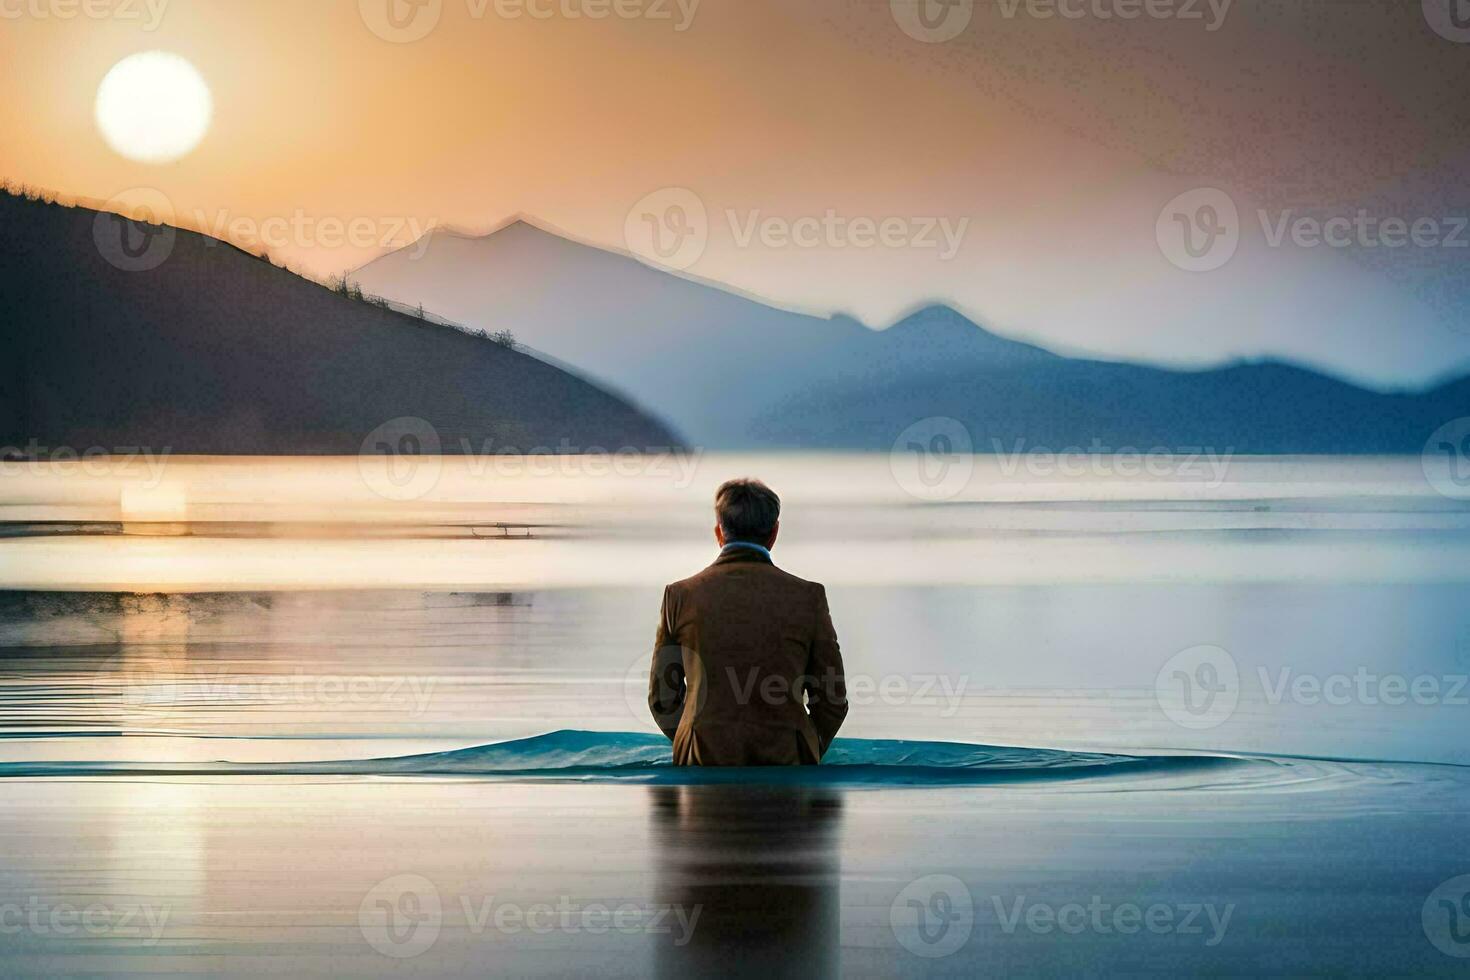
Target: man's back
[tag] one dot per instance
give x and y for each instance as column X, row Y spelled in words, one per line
column 747, row 670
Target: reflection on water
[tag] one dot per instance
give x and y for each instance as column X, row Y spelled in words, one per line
column 762, row 868
column 1324, row 875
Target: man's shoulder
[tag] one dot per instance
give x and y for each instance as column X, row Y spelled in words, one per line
column 717, row 572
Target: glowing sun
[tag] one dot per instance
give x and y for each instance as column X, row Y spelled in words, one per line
column 153, row 107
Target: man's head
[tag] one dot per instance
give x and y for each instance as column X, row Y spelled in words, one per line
column 747, row 510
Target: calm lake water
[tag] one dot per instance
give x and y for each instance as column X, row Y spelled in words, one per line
column 208, row 668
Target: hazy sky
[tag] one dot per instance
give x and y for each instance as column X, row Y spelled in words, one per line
column 1017, row 158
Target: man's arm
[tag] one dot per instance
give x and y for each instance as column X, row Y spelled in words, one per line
column 826, row 696
column 666, row 677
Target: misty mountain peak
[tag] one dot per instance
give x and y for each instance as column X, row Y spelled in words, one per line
column 735, row 372
column 938, row 327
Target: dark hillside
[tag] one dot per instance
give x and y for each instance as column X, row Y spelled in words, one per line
column 114, row 333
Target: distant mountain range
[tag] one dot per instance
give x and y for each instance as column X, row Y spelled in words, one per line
column 734, row 373
column 118, row 334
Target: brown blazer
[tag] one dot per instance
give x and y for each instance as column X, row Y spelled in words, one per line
column 746, row 667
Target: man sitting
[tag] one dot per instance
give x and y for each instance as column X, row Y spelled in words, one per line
column 746, row 667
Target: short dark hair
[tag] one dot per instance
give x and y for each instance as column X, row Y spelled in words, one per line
column 747, row 510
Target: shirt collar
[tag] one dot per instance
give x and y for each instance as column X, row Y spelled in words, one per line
column 746, row 546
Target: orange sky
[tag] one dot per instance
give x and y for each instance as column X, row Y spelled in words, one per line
column 1056, row 141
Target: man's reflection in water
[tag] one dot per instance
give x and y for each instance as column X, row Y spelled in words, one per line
column 761, row 865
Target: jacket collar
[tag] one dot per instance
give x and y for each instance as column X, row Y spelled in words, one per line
column 731, row 556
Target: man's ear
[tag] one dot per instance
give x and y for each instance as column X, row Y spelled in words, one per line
column 774, row 531
column 719, row 536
